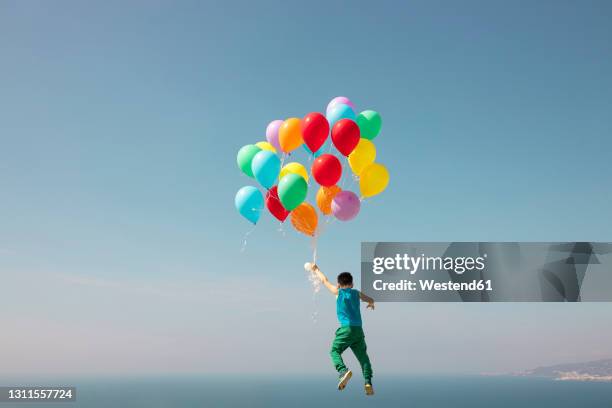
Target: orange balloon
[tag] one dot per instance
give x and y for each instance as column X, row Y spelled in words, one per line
column 304, row 219
column 325, row 195
column 290, row 135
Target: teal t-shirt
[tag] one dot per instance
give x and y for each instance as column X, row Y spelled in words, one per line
column 347, row 307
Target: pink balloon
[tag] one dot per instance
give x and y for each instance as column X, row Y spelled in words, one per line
column 272, row 133
column 345, row 205
column 340, row 99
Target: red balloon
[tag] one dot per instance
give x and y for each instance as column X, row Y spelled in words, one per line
column 326, row 170
column 274, row 205
column 315, row 129
column 345, row 135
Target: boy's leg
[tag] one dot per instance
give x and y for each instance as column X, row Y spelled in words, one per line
column 360, row 349
column 340, row 344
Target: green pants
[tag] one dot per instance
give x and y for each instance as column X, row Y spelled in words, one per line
column 353, row 337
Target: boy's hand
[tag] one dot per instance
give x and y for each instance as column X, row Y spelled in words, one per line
column 370, row 305
column 321, row 276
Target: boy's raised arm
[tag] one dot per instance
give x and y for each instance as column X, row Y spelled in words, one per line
column 333, row 289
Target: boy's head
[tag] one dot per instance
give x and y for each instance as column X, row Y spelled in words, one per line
column 345, row 280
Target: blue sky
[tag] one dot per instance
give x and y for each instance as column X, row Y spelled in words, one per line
column 120, row 248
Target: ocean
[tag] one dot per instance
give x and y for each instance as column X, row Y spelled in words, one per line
column 314, row 392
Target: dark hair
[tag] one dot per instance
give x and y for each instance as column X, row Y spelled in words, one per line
column 345, row 279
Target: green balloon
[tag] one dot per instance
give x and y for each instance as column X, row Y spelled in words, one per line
column 369, row 123
column 245, row 157
column 292, row 190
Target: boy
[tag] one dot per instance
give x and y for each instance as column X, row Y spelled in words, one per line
column 350, row 334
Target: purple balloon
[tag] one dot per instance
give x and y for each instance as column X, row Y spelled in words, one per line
column 340, row 99
column 272, row 133
column 345, row 205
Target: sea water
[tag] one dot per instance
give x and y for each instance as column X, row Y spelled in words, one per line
column 319, row 392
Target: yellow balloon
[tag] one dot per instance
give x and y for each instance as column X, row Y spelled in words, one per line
column 295, row 168
column 373, row 180
column 363, row 155
column 265, row 146
column 290, row 134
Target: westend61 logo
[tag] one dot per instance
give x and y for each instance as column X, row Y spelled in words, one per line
column 487, row 271
column 413, row 264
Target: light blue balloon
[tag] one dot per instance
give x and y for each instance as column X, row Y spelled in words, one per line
column 266, row 166
column 249, row 202
column 340, row 111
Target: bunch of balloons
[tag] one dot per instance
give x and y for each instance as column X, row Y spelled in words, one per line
column 287, row 184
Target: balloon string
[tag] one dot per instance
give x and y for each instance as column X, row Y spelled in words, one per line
column 344, row 172
column 310, row 159
column 245, row 238
column 314, row 249
column 315, row 282
column 354, row 179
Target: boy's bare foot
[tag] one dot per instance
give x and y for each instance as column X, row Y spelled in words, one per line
column 369, row 390
column 345, row 376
